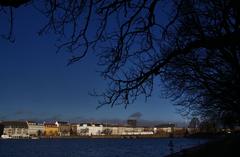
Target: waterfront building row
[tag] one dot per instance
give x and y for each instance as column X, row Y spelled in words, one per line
column 20, row 129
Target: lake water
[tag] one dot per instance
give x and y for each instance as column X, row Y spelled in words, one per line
column 94, row 147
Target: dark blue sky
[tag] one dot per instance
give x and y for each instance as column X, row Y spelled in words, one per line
column 35, row 82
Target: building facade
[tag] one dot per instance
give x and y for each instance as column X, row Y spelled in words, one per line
column 15, row 129
column 50, row 129
column 116, row 130
column 35, row 129
column 127, row 130
column 63, row 128
column 88, row 129
column 73, row 130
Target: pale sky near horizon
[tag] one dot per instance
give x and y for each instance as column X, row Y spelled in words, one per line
column 35, row 82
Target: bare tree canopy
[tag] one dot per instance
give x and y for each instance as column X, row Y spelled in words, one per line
column 195, row 54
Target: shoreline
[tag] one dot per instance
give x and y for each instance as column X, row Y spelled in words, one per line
column 201, row 136
column 95, row 137
column 109, row 137
column 220, row 147
column 98, row 137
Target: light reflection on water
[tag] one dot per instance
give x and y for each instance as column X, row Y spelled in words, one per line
column 94, row 147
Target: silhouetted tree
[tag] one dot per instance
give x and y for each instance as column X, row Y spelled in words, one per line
column 1, row 129
column 194, row 123
column 205, row 77
column 39, row 133
column 208, row 126
column 72, row 132
column 195, row 54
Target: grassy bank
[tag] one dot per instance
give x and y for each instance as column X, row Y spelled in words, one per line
column 222, row 147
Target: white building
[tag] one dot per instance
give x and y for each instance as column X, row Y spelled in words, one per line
column 116, row 130
column 35, row 129
column 133, row 130
column 88, row 129
column 15, row 129
column 127, row 130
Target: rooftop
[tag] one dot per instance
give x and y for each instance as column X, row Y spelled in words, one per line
column 15, row 124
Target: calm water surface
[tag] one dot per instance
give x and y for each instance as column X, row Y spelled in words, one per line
column 93, row 147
